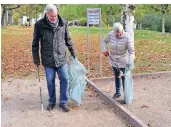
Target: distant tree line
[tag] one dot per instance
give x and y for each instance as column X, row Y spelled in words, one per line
column 147, row 16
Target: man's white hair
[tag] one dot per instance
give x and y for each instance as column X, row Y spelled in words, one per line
column 50, row 7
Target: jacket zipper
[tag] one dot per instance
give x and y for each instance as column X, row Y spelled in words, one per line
column 53, row 46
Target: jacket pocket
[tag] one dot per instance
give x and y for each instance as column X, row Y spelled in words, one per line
column 62, row 48
column 46, row 38
column 48, row 61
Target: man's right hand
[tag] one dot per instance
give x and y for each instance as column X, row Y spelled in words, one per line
column 37, row 65
column 106, row 54
column 73, row 54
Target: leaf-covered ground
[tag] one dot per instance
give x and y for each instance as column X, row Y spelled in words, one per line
column 153, row 51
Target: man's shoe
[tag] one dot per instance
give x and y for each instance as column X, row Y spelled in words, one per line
column 64, row 107
column 50, row 106
column 116, row 95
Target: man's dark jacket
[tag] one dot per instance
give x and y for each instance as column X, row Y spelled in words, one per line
column 53, row 43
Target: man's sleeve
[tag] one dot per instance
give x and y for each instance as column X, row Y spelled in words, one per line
column 35, row 45
column 68, row 41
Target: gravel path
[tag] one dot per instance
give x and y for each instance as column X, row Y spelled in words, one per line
column 152, row 99
column 20, row 107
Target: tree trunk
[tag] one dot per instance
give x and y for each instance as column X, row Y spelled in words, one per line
column 9, row 18
column 113, row 20
column 163, row 24
column 36, row 15
column 3, row 17
column 107, row 20
column 140, row 25
column 4, row 9
column 128, row 22
column 123, row 15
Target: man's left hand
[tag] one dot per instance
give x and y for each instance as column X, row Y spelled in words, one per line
column 73, row 54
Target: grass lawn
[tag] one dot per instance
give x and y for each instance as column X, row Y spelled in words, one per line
column 153, row 50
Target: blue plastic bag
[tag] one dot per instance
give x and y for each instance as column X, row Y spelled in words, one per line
column 77, row 80
column 128, row 88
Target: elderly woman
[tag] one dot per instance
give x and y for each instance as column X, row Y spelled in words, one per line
column 122, row 53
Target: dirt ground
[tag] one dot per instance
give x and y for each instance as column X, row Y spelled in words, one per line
column 151, row 102
column 20, row 107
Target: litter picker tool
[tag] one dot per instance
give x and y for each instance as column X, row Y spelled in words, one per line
column 40, row 87
column 117, row 68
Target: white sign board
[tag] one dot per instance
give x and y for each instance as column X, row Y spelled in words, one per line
column 94, row 18
column 93, row 15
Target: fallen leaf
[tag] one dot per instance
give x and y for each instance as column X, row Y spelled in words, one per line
column 74, row 107
column 149, row 123
column 96, row 108
column 129, row 125
column 86, row 89
column 50, row 114
column 18, row 86
column 107, row 88
column 144, row 106
column 22, row 110
column 96, row 94
column 7, row 98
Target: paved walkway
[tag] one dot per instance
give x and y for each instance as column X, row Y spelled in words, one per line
column 152, row 99
column 20, row 102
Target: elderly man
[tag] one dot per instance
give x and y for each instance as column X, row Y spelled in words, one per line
column 54, row 39
column 121, row 51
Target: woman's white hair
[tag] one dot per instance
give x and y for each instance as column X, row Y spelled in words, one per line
column 50, row 7
column 118, row 27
